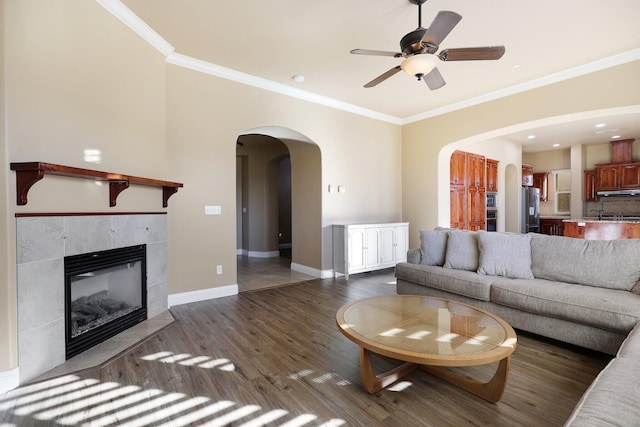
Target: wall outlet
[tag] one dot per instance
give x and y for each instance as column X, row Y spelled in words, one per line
column 218, row 269
column 212, row 210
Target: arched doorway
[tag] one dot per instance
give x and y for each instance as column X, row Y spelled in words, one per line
column 279, row 201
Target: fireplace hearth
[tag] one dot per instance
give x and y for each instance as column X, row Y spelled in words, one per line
column 105, row 294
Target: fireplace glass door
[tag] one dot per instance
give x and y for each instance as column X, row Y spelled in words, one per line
column 105, row 294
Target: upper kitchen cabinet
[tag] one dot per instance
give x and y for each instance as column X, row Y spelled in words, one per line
column 590, row 186
column 458, row 171
column 617, row 176
column 527, row 175
column 622, row 173
column 540, row 181
column 476, row 165
column 492, row 175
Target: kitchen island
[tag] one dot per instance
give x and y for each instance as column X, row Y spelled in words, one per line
column 594, row 229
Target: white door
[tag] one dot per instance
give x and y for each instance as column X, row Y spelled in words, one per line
column 356, row 249
column 388, row 246
column 401, row 243
column 372, row 248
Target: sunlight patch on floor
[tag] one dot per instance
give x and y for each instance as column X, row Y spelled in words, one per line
column 319, row 378
column 72, row 400
column 184, row 359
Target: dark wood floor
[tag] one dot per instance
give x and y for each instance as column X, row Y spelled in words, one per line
column 275, row 358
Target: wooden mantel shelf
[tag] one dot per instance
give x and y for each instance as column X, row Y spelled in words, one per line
column 29, row 173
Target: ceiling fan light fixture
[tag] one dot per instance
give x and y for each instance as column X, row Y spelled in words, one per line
column 419, row 65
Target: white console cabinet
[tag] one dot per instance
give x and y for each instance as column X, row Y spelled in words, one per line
column 367, row 247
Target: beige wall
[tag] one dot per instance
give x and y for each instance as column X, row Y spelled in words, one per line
column 202, row 132
column 75, row 78
column 546, row 161
column 8, row 319
column 425, row 182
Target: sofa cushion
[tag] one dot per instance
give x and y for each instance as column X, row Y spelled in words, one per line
column 461, row 282
column 603, row 263
column 612, row 398
column 433, row 245
column 462, row 251
column 505, row 254
column 600, row 307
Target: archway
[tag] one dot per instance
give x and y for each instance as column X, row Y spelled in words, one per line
column 259, row 202
column 494, row 144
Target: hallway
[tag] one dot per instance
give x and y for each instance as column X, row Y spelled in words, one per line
column 262, row 273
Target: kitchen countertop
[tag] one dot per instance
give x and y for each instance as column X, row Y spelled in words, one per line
column 632, row 220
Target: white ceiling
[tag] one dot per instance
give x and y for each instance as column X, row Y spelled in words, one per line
column 274, row 40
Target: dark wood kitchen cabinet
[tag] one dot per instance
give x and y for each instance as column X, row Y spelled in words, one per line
column 540, row 181
column 467, row 201
column 552, row 226
column 492, row 176
column 527, row 175
column 617, row 176
column 590, row 188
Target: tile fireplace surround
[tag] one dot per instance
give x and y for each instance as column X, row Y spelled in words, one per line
column 42, row 243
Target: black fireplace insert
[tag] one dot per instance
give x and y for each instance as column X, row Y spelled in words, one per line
column 105, row 294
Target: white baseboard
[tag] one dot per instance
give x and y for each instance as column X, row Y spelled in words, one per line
column 9, row 380
column 269, row 254
column 202, row 295
column 322, row 274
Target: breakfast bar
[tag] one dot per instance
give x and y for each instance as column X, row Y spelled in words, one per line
column 594, row 229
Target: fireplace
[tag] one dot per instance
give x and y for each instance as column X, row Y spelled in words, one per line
column 105, row 294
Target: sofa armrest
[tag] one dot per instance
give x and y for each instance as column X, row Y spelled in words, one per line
column 414, row 256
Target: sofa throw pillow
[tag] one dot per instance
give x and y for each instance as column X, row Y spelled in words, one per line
column 609, row 264
column 505, row 254
column 462, row 251
column 433, row 245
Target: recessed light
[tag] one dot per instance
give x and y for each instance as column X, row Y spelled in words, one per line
column 298, row 78
column 531, row 137
column 615, row 136
column 556, row 145
column 600, row 125
column 515, row 66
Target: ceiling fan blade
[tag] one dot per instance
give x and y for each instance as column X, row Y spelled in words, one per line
column 472, row 53
column 383, row 77
column 440, row 28
column 375, row 52
column 434, row 79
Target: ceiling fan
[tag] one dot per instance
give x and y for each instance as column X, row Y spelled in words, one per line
column 418, row 48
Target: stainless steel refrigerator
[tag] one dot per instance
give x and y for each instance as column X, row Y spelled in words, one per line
column 530, row 221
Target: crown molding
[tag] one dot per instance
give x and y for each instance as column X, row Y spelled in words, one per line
column 251, row 80
column 611, row 61
column 131, row 20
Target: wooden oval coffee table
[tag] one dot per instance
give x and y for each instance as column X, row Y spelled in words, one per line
column 430, row 333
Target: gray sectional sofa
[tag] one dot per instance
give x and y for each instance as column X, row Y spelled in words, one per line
column 583, row 292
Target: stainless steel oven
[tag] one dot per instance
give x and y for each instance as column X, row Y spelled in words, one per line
column 492, row 220
column 492, row 201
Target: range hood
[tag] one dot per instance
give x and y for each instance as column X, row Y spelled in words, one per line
column 626, row 193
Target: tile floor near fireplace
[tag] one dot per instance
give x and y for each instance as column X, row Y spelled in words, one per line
column 43, row 241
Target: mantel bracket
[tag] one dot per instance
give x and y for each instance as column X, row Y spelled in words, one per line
column 24, row 180
column 115, row 188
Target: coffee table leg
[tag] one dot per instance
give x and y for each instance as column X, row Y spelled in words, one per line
column 491, row 390
column 373, row 382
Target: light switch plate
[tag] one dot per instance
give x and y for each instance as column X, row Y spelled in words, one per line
column 212, row 210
